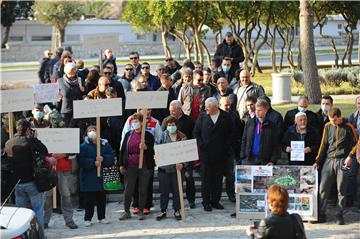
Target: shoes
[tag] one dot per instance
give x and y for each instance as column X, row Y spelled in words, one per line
column 104, row 221
column 217, row 206
column 46, row 226
column 233, row 215
column 141, row 216
column 71, row 225
column 177, row 215
column 136, row 210
column 125, row 215
column 87, row 223
column 146, row 211
column 207, row 207
column 192, row 205
column 232, row 198
column 340, row 219
column 161, row 216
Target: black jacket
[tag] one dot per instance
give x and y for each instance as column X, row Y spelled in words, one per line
column 44, row 72
column 277, row 119
column 268, row 142
column 214, row 140
column 276, row 227
column 111, row 60
column 161, row 114
column 322, row 120
column 149, row 162
column 312, row 118
column 185, row 124
column 234, row 51
column 228, row 76
column 238, row 130
column 69, row 93
column 312, row 139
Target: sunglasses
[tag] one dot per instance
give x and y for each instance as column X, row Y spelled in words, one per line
column 128, row 69
column 107, row 73
column 168, row 60
column 145, row 67
column 134, row 58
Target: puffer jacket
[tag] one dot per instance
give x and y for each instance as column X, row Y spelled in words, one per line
column 186, row 97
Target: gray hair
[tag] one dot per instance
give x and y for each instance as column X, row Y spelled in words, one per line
column 211, row 101
column 186, row 71
column 303, row 97
column 176, row 104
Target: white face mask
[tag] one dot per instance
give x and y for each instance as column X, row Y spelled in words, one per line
column 325, row 108
column 302, row 109
column 136, row 125
column 91, row 135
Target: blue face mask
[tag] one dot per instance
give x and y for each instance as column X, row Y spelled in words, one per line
column 39, row 115
column 225, row 68
column 171, row 129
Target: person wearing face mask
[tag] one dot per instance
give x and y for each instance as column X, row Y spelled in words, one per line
column 129, row 158
column 325, row 106
column 91, row 186
column 38, row 121
column 225, row 71
column 300, row 131
column 167, row 174
column 302, row 106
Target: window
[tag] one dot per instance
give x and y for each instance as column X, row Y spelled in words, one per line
column 41, row 38
column 154, row 37
column 73, row 38
column 16, row 38
column 140, row 37
column 339, row 26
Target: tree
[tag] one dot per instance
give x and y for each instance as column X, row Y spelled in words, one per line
column 10, row 11
column 57, row 14
column 308, row 59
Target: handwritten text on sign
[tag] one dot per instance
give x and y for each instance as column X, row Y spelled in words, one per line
column 146, row 99
column 97, row 108
column 17, row 100
column 46, row 92
column 58, row 140
column 177, row 152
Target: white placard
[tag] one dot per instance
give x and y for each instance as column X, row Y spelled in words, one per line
column 297, row 151
column 177, row 152
column 146, row 99
column 97, row 108
column 60, row 140
column 45, row 93
column 17, row 100
column 101, row 41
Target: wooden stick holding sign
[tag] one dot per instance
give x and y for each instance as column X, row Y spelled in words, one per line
column 174, row 153
column 142, row 141
column 54, row 202
column 98, row 146
column 11, row 124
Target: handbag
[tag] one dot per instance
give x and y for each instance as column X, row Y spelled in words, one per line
column 111, row 178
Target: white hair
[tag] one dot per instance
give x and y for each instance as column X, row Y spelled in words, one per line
column 300, row 114
column 211, row 101
column 176, row 104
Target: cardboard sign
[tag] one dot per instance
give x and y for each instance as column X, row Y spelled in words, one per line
column 177, row 152
column 60, row 140
column 101, row 41
column 17, row 100
column 297, row 153
column 44, row 93
column 146, row 99
column 97, row 108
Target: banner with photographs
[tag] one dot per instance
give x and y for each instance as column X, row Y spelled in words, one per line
column 252, row 183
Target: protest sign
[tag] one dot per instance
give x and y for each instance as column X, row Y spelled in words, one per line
column 146, row 99
column 45, row 93
column 297, row 151
column 17, row 100
column 60, row 140
column 97, row 108
column 94, row 42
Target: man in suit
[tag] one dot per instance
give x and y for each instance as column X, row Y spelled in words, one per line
column 213, row 131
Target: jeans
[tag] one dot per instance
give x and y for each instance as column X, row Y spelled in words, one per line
column 27, row 195
column 68, row 188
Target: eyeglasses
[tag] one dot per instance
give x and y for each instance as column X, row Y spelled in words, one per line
column 145, row 67
column 128, row 69
column 133, row 58
column 107, row 73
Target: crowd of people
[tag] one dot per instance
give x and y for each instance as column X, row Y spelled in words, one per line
column 227, row 113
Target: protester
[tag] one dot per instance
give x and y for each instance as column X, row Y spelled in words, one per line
column 325, row 106
column 99, row 91
column 160, row 70
column 177, row 75
column 279, row 224
column 223, row 90
column 334, row 159
column 167, row 174
column 134, row 61
column 209, row 81
column 250, row 108
column 225, row 71
column 213, row 132
column 171, row 66
column 152, row 81
column 198, row 66
column 58, row 68
column 127, row 77
column 92, row 79
column 91, row 186
column 186, row 78
column 82, row 71
column 129, row 159
column 109, row 58
column 38, row 119
column 44, row 69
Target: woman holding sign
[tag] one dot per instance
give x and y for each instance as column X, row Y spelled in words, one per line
column 129, row 159
column 167, row 174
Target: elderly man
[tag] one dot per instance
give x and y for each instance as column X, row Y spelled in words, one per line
column 230, row 48
column 337, row 146
column 171, row 66
column 245, row 89
column 213, row 132
column 225, row 71
column 223, row 90
column 99, row 91
column 152, row 81
column 303, row 104
column 302, row 132
column 44, row 72
column 109, row 58
column 134, row 60
column 259, row 140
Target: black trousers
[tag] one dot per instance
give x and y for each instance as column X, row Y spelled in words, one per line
column 211, row 182
column 229, row 177
column 190, row 183
column 168, row 184
column 149, row 197
column 90, row 200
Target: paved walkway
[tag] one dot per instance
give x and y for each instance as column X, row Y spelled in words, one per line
column 199, row 224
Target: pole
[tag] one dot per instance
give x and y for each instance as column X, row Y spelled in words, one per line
column 181, row 195
column 54, row 195
column 11, row 124
column 100, row 62
column 143, row 128
column 98, row 153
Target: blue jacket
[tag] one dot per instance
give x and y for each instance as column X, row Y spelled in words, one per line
column 89, row 182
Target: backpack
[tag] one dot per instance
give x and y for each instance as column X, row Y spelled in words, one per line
column 45, row 176
column 299, row 226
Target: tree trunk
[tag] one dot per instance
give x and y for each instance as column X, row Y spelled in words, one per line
column 289, row 41
column 6, row 37
column 351, row 43
column 282, row 49
column 311, row 77
column 167, row 50
column 273, row 53
column 198, row 45
column 299, row 60
column 61, row 37
column 331, row 42
column 208, row 56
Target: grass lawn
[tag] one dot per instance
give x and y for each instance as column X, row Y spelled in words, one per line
column 346, row 106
